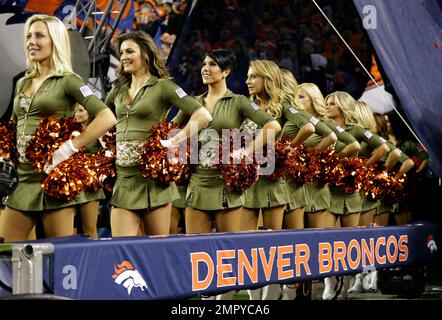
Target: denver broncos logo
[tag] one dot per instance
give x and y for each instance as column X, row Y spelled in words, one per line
column 126, row 275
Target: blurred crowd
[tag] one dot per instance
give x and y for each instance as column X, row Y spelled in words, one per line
column 292, row 33
column 161, row 19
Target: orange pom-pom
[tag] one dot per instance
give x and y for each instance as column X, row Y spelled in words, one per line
column 51, row 133
column 301, row 165
column 155, row 162
column 8, row 146
column 350, row 173
column 103, row 164
column 237, row 177
column 278, row 152
column 70, row 177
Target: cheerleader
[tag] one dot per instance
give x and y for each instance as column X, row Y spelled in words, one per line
column 340, row 107
column 49, row 88
column 142, row 97
column 265, row 84
column 308, row 97
column 209, row 203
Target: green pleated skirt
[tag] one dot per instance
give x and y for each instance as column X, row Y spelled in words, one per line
column 369, row 204
column 29, row 195
column 94, row 196
column 181, row 201
column 266, row 194
column 342, row 203
column 384, row 208
column 297, row 197
column 206, row 191
column 318, row 197
column 132, row 191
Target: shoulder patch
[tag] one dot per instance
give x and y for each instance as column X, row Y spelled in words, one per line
column 293, row 110
column 368, row 134
column 314, row 120
column 86, row 91
column 339, row 128
column 180, row 93
column 254, row 106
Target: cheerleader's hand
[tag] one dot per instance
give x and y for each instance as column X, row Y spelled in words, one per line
column 66, row 150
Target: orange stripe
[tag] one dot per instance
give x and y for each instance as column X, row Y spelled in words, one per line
column 47, row 6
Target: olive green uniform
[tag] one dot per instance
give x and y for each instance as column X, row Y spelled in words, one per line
column 57, row 96
column 298, row 196
column 367, row 203
column 91, row 148
column 318, row 197
column 266, row 193
column 180, row 203
column 409, row 150
column 383, row 208
column 149, row 107
column 342, row 203
column 206, row 190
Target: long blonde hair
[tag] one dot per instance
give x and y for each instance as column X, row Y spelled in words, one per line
column 316, row 96
column 272, row 85
column 290, row 88
column 347, row 105
column 364, row 115
column 61, row 47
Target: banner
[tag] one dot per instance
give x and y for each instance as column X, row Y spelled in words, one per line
column 182, row 266
column 407, row 36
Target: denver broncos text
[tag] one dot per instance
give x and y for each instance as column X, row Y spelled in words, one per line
column 293, row 261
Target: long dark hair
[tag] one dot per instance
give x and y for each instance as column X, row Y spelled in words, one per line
column 225, row 58
column 149, row 51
